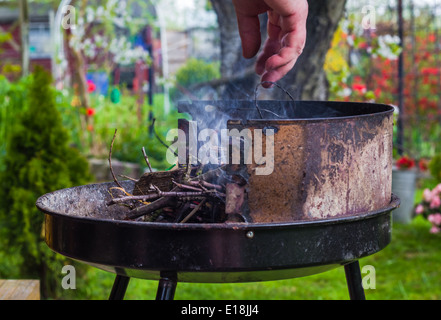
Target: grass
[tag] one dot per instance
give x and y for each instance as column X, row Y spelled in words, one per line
column 407, row 269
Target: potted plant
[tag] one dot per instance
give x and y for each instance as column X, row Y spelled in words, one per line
column 404, row 176
column 430, row 208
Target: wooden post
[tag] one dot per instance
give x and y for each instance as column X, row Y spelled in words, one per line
column 19, row 290
column 400, row 137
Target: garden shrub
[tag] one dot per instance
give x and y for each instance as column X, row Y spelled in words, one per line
column 38, row 160
column 12, row 101
column 194, row 71
column 435, row 167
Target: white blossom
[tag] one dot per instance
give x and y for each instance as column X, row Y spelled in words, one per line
column 388, row 47
column 99, row 12
column 89, row 48
column 113, row 12
column 90, row 14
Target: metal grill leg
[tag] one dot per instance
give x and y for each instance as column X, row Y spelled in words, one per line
column 353, row 279
column 167, row 287
column 119, row 288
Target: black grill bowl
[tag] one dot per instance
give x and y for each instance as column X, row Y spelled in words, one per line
column 79, row 225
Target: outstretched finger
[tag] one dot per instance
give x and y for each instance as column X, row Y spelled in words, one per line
column 270, row 47
column 275, row 75
column 249, row 31
column 286, row 55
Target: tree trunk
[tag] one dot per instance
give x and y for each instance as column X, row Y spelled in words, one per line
column 24, row 33
column 307, row 81
column 238, row 76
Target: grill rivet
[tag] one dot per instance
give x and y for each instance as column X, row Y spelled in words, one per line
column 270, row 130
column 250, row 234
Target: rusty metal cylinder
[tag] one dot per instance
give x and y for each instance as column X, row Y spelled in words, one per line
column 328, row 159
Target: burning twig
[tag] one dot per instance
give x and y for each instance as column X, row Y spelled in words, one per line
column 181, row 211
column 110, row 161
column 120, row 189
column 150, row 208
column 273, row 84
column 210, row 175
column 160, row 194
column 206, row 184
column 193, row 211
column 159, row 139
column 128, row 178
column 156, row 195
column 188, row 193
column 185, row 186
column 146, row 159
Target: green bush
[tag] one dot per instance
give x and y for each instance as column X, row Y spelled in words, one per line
column 38, row 160
column 12, row 101
column 193, row 72
column 435, row 168
column 196, row 71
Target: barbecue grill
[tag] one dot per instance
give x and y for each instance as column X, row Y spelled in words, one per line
column 298, row 238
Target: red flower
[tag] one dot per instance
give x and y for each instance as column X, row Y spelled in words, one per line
column 423, row 164
column 90, row 112
column 363, row 45
column 361, row 88
column 427, row 71
column 91, row 87
column 377, row 92
column 405, row 163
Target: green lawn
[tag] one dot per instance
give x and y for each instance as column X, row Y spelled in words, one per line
column 409, row 268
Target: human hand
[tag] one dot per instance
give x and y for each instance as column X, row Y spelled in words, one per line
column 286, row 34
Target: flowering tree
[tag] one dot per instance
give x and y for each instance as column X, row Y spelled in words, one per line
column 362, row 66
column 101, row 34
column 100, row 38
column 353, row 60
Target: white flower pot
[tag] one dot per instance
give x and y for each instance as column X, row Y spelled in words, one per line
column 403, row 185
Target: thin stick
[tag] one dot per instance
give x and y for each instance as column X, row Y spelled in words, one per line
column 159, row 139
column 272, row 83
column 193, row 211
column 184, row 186
column 160, row 194
column 205, row 184
column 278, row 86
column 150, row 208
column 158, row 191
column 147, row 159
column 110, row 161
column 134, row 198
column 165, row 194
column 212, row 174
column 127, row 177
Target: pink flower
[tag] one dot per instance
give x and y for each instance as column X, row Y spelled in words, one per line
column 435, row 219
column 435, row 229
column 435, row 203
column 437, row 189
column 419, row 209
column 427, row 194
